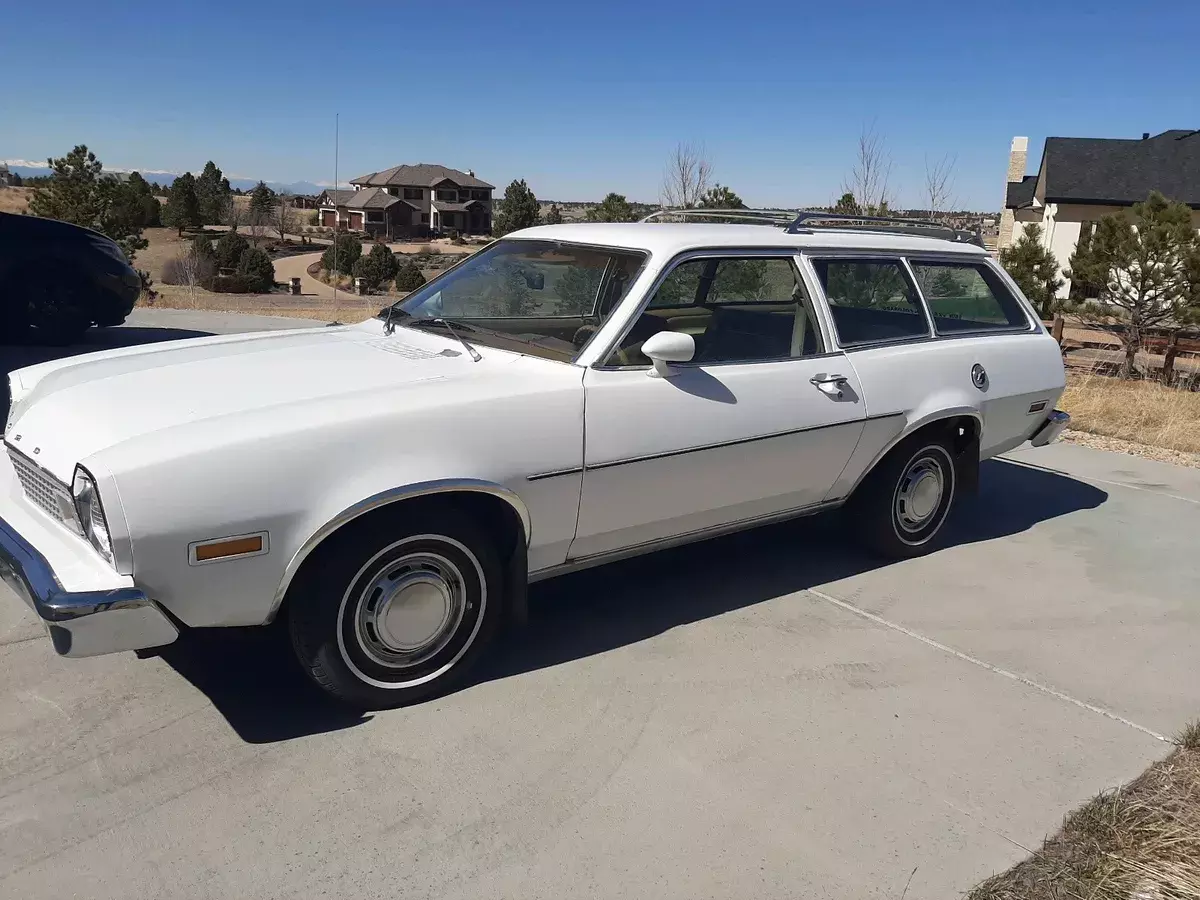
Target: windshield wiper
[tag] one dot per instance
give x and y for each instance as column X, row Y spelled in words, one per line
column 451, row 327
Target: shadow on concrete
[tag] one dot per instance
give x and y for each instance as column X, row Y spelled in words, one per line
column 17, row 356
column 255, row 682
column 622, row 603
column 252, row 679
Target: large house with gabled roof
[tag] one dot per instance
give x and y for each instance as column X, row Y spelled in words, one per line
column 411, row 201
column 1082, row 180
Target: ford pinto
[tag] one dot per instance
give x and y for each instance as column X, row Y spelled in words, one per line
column 567, row 396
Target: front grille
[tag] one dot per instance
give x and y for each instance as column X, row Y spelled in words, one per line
column 42, row 489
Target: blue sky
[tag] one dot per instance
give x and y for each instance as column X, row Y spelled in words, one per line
column 580, row 99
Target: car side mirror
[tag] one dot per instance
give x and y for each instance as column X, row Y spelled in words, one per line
column 668, row 347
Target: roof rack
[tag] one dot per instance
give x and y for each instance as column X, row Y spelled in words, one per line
column 807, row 221
column 747, row 216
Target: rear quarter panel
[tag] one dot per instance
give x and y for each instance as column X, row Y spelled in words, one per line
column 918, row 383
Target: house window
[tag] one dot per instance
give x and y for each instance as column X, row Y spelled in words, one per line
column 448, row 196
column 479, row 195
column 374, row 215
column 391, row 191
column 412, row 193
column 425, row 218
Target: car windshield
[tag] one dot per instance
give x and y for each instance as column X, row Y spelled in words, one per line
column 545, row 298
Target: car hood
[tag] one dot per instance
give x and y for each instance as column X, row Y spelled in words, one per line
column 66, row 410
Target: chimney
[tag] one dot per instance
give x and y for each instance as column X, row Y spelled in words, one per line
column 1017, row 154
column 471, row 172
column 1145, row 135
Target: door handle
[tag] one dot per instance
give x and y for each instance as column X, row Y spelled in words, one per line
column 833, row 385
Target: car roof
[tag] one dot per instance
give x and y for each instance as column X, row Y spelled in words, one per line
column 672, row 238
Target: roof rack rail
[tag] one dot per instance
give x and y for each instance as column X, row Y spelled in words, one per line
column 808, row 220
column 747, row 216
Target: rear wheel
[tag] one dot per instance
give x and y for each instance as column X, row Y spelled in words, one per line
column 394, row 612
column 903, row 504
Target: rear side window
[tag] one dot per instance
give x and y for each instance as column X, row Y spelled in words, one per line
column 871, row 300
column 967, row 297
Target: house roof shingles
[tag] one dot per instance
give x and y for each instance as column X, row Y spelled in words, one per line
column 1122, row 172
column 1020, row 193
column 419, row 175
column 367, row 198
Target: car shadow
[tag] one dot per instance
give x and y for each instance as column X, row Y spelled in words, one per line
column 18, row 356
column 611, row 606
column 256, row 684
column 253, row 681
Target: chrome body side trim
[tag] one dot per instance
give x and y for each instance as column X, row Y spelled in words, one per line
column 678, row 540
column 574, row 470
column 1054, row 425
column 386, row 498
column 734, row 443
column 83, row 623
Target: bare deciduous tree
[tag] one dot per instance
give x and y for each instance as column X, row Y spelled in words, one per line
column 235, row 214
column 688, row 175
column 285, row 216
column 259, row 223
column 869, row 178
column 939, row 185
column 191, row 271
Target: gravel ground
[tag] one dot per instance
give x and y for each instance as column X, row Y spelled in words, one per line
column 1117, row 445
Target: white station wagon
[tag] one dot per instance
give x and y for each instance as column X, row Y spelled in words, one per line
column 567, row 396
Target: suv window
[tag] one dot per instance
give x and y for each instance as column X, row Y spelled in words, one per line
column 738, row 309
column 871, row 300
column 967, row 297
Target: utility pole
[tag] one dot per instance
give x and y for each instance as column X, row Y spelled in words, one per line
column 336, row 129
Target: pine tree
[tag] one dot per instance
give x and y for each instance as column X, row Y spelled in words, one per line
column 518, row 210
column 76, row 192
column 1147, row 268
column 554, row 215
column 613, row 208
column 262, row 202
column 183, row 207
column 230, row 248
column 377, row 267
column 347, row 249
column 1034, row 269
column 721, row 197
column 258, row 270
column 213, row 194
column 409, row 277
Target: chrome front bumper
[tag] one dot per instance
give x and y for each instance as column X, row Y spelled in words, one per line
column 1051, row 428
column 86, row 623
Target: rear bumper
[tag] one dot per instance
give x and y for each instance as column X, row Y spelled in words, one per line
column 1051, row 428
column 81, row 623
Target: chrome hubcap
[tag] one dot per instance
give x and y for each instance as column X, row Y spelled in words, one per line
column 919, row 494
column 410, row 610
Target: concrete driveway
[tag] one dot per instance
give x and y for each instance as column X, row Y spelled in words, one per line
column 772, row 714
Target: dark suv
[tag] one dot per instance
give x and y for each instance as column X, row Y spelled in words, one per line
column 57, row 279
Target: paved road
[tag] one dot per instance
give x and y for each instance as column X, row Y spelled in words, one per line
column 289, row 267
column 767, row 715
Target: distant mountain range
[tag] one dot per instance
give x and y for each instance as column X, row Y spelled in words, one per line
column 165, row 179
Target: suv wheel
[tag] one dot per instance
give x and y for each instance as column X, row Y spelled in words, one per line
column 389, row 616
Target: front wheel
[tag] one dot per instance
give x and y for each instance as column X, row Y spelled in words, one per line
column 902, row 505
column 395, row 612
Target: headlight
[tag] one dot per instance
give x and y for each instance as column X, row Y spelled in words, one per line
column 90, row 512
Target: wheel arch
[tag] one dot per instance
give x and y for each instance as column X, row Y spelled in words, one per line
column 968, row 427
column 501, row 506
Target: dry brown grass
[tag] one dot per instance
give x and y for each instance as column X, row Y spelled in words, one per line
column 14, row 199
column 1141, row 840
column 349, row 309
column 1140, row 411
